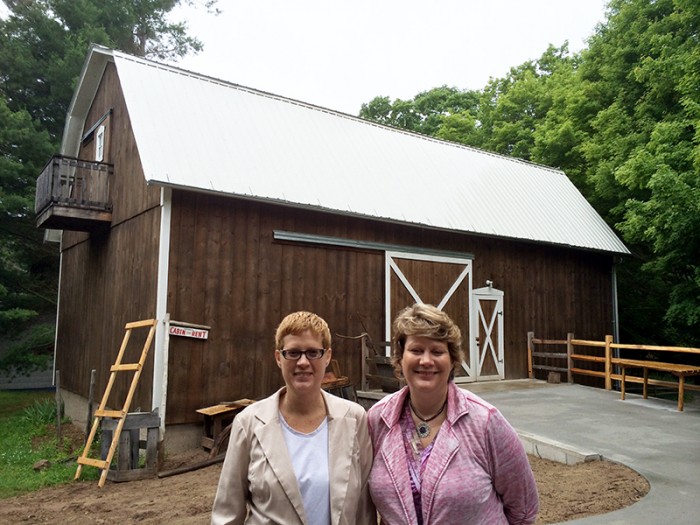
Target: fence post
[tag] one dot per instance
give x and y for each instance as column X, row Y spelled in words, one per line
column 569, row 351
column 608, row 364
column 530, row 337
column 59, row 432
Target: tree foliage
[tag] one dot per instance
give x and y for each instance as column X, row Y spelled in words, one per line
column 43, row 44
column 425, row 113
column 621, row 119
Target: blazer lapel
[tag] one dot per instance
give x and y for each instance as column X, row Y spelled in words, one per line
column 341, row 439
column 274, row 447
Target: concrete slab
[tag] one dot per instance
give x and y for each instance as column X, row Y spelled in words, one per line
column 648, row 435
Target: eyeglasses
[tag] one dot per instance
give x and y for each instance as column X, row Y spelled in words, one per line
column 310, row 353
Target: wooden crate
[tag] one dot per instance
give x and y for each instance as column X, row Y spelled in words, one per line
column 130, row 445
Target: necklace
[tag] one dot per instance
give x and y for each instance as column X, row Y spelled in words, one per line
column 423, row 428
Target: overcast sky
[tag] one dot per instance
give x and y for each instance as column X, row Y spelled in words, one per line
column 341, row 53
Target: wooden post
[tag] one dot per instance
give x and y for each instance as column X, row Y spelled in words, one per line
column 622, row 383
column 365, row 355
column 530, row 337
column 569, row 351
column 59, row 433
column 608, row 363
column 681, row 391
column 91, row 402
column 646, row 381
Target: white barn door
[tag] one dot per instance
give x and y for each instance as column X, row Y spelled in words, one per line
column 488, row 339
column 443, row 281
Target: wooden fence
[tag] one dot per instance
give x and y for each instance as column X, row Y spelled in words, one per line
column 613, row 366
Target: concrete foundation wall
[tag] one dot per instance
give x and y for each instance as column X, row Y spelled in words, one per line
column 178, row 438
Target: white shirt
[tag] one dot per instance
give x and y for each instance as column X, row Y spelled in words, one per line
column 309, row 455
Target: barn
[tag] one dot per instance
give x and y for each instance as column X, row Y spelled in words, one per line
column 217, row 209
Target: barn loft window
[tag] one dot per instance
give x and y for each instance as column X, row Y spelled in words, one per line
column 90, row 134
column 100, row 144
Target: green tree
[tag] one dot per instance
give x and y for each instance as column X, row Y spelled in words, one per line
column 644, row 149
column 424, row 114
column 43, row 44
column 27, row 266
column 501, row 118
column 514, row 107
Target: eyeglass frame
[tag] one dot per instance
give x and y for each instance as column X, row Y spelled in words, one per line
column 304, row 353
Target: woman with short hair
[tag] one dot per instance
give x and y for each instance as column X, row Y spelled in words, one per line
column 301, row 456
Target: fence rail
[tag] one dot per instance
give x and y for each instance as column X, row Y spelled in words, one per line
column 610, row 360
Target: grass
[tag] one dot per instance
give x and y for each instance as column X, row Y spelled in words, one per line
column 28, row 435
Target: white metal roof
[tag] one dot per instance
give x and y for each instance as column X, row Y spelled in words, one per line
column 201, row 133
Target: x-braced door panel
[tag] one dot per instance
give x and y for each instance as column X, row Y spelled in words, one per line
column 488, row 341
column 432, row 279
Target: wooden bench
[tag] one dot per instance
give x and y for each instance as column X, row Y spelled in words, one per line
column 678, row 370
column 217, row 417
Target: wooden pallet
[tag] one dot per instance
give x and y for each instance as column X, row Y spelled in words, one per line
column 119, row 415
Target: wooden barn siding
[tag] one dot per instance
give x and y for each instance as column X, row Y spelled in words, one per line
column 227, row 271
column 109, row 279
column 107, row 282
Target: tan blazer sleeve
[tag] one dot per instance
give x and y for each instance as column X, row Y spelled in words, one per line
column 350, row 462
column 230, row 503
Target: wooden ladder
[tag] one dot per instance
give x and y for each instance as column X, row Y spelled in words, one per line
column 101, row 412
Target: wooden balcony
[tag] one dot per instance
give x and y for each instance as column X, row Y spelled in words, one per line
column 73, row 194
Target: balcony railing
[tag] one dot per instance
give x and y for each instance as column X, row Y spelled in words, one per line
column 73, row 194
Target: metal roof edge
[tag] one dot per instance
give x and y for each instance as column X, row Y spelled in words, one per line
column 83, row 96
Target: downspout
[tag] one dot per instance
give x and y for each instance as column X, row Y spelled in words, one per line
column 387, row 301
column 616, row 316
column 160, row 357
column 615, row 313
column 58, row 309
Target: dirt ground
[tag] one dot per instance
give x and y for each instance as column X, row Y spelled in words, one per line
column 566, row 493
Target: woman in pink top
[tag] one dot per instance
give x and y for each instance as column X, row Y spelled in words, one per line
column 443, row 455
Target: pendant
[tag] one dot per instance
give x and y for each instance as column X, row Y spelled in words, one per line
column 423, row 430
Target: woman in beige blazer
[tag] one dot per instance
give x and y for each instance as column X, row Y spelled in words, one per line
column 324, row 481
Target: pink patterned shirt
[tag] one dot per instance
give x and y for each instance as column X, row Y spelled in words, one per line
column 477, row 471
